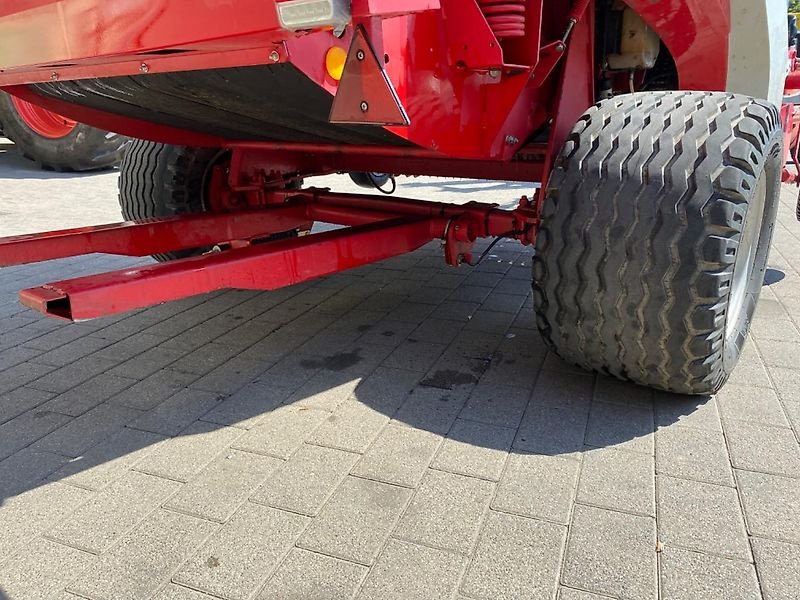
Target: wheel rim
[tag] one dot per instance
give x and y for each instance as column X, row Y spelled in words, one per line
column 746, row 253
column 44, row 122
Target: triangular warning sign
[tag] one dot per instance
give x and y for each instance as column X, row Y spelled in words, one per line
column 366, row 95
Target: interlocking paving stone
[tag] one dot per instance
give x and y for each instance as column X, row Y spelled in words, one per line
column 108, row 460
column 246, row 407
column 325, row 391
column 475, row 449
column 406, row 571
column 84, row 432
column 770, row 505
column 763, row 448
column 537, row 485
column 282, row 431
column 101, row 521
column 86, row 396
column 565, row 593
column 619, row 480
column 306, row 481
column 751, row 404
column 500, row 405
column 239, row 557
column 177, row 412
column 516, row 558
column 144, row 558
column 690, row 411
column 178, row 592
column 310, row 576
column 778, row 568
column 151, row 391
column 352, row 427
column 41, row 570
column 26, row 469
column 355, row 523
column 431, row 409
column 692, row 453
column 563, row 390
column 624, row 427
column 19, row 401
column 385, row 389
column 611, row 553
column 400, row 455
column 221, row 487
column 446, row 512
column 553, row 430
column 687, row 575
column 182, row 457
column 702, row 517
column 25, row 429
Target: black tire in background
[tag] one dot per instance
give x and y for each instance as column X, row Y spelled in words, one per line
column 369, row 180
column 161, row 180
column 83, row 149
column 655, row 234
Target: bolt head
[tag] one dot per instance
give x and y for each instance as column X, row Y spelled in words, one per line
column 54, row 76
column 360, row 55
column 144, row 68
column 275, row 56
column 364, row 107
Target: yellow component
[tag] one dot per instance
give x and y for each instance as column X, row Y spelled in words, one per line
column 334, row 62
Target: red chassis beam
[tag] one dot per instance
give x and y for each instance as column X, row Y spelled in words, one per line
column 379, row 229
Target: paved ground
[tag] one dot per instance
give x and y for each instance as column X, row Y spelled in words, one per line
column 394, row 432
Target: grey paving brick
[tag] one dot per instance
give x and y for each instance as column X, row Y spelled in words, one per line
column 282, row 431
column 325, row 391
column 619, row 480
column 624, row 427
column 355, row 523
column 400, row 455
column 786, row 383
column 392, row 332
column 86, row 396
column 73, row 374
column 42, row 570
column 182, row 457
column 750, row 373
column 221, row 487
column 231, row 376
column 516, row 558
column 446, row 512
column 306, row 481
column 109, row 460
column 552, row 430
column 113, row 512
column 763, row 448
column 405, row 571
column 500, row 405
column 27, row 468
column 177, row 412
column 565, row 593
column 702, row 517
column 778, row 568
column 689, row 575
column 238, row 558
column 178, row 592
column 310, row 576
column 690, row 411
column 611, row 553
column 431, row 409
column 149, row 363
column 19, row 401
column 27, row 428
column 87, row 430
column 610, row 389
column 22, row 374
column 751, row 404
column 563, row 389
column 204, row 359
column 153, row 389
column 144, row 558
column 537, row 485
column 770, row 505
column 358, row 359
column 691, row 453
column 352, row 427
column 475, row 449
column 779, row 354
column 248, row 406
column 414, row 356
column 27, row 515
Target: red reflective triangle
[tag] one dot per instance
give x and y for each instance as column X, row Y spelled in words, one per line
column 366, row 95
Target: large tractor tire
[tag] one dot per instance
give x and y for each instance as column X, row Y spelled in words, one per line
column 656, row 229
column 55, row 142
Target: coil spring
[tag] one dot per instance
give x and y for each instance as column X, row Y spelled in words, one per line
column 505, row 17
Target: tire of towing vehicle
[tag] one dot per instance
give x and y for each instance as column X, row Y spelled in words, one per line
column 161, row 180
column 66, row 146
column 655, row 234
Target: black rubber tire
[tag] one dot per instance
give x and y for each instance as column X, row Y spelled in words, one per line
column 640, row 235
column 370, row 180
column 84, row 149
column 160, row 180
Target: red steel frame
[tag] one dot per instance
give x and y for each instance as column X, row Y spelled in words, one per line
column 471, row 99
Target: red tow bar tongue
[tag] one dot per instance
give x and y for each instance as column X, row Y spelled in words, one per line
column 366, row 95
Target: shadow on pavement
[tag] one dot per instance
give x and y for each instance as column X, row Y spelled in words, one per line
column 16, row 166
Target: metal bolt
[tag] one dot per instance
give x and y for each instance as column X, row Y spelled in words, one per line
column 144, row 68
column 360, row 55
column 495, row 73
column 364, row 106
column 275, row 56
column 512, row 140
column 54, row 76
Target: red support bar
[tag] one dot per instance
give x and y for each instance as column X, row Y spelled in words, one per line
column 262, row 267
